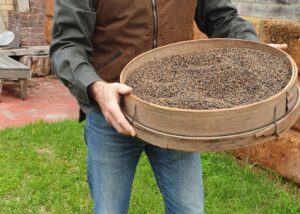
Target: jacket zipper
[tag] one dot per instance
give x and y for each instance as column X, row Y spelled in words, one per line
column 155, row 23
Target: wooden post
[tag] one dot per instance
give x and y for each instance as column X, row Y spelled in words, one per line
column 2, row 26
column 1, row 85
column 23, row 88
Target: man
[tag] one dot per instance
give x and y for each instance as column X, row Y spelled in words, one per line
column 92, row 41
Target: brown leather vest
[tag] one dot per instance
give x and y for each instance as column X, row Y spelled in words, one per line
column 127, row 28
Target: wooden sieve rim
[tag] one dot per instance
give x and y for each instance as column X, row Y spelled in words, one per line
column 286, row 89
column 273, row 129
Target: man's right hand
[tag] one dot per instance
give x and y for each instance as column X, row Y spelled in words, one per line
column 108, row 95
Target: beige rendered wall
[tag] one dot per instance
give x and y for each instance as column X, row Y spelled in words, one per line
column 279, row 9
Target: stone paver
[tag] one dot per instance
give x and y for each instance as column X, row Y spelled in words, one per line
column 47, row 100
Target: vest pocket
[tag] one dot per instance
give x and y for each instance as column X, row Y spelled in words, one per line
column 108, row 60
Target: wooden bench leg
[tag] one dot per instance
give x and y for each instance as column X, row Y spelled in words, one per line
column 23, row 88
column 1, row 85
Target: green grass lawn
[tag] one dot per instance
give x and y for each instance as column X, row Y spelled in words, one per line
column 43, row 170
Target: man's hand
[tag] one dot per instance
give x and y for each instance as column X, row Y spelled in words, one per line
column 279, row 46
column 107, row 95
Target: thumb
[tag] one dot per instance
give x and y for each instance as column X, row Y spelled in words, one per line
column 124, row 89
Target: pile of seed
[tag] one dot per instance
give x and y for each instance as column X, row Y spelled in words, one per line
column 214, row 79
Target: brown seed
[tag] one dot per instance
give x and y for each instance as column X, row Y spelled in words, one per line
column 214, row 79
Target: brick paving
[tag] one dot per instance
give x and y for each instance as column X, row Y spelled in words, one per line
column 47, row 100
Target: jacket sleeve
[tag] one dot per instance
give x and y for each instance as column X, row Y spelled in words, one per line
column 71, row 48
column 219, row 19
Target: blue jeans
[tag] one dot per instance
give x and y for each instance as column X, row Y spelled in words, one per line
column 112, row 160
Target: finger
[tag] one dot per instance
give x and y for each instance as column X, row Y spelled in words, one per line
column 124, row 89
column 122, row 127
column 120, row 121
column 279, row 46
column 108, row 117
column 284, row 46
column 124, row 131
column 119, row 129
column 111, row 120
